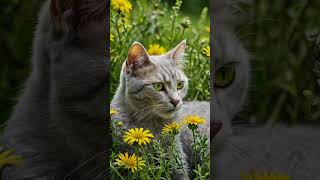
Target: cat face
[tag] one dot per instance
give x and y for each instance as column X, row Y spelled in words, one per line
column 230, row 81
column 78, row 56
column 155, row 82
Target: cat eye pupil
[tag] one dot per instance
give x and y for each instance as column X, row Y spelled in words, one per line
column 224, row 76
column 223, row 73
column 158, row 86
column 180, row 85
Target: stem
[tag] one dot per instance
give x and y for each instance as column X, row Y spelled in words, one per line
column 172, row 27
column 115, row 170
column 182, row 34
column 194, row 146
column 177, row 155
column 136, row 152
column 124, row 27
column 117, row 28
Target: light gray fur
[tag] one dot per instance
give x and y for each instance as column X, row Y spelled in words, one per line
column 139, row 104
column 59, row 121
column 136, row 100
column 292, row 151
column 279, row 149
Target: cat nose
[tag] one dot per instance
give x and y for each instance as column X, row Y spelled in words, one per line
column 174, row 102
column 215, row 127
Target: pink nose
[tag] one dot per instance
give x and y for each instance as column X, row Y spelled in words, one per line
column 215, row 127
column 174, row 102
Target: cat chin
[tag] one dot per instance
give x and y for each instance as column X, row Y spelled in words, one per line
column 168, row 114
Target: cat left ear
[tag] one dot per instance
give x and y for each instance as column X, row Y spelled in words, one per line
column 137, row 57
column 64, row 12
column 68, row 14
column 177, row 53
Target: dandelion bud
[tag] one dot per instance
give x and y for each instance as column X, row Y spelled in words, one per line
column 156, row 6
column 161, row 13
column 192, row 126
column 119, row 124
column 185, row 23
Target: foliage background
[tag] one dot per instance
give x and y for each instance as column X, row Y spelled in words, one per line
column 152, row 22
column 17, row 24
column 283, row 39
column 18, row 19
column 282, row 36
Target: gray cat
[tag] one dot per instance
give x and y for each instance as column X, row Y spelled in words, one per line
column 151, row 92
column 59, row 124
column 236, row 151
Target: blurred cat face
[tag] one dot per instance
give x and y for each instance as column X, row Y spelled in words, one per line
column 230, row 81
column 156, row 83
column 78, row 57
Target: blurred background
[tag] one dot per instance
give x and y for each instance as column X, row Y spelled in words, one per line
column 283, row 38
column 17, row 24
column 18, row 19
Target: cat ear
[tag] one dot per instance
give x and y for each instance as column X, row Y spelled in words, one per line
column 71, row 13
column 177, row 53
column 64, row 11
column 137, row 57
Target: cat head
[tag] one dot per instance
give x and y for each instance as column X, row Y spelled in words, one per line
column 155, row 82
column 77, row 52
column 230, row 75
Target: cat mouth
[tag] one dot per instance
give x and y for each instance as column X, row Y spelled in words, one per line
column 167, row 113
column 173, row 110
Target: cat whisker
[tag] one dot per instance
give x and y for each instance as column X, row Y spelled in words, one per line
column 154, row 114
column 141, row 121
column 146, row 108
column 101, row 174
column 142, row 111
column 239, row 150
column 69, row 175
column 141, row 118
column 92, row 171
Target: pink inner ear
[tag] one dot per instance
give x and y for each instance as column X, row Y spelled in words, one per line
column 179, row 51
column 137, row 57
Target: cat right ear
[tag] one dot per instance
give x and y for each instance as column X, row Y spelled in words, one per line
column 64, row 13
column 137, row 57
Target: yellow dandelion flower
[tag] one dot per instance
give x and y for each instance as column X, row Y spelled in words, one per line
column 156, row 49
column 172, row 128
column 8, row 158
column 139, row 135
column 206, row 51
column 193, row 120
column 123, row 6
column 111, row 37
column 132, row 162
column 113, row 112
column 254, row 175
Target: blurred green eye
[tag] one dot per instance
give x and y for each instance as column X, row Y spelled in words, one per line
column 224, row 76
column 180, row 85
column 159, row 86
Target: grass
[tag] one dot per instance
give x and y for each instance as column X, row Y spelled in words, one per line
column 283, row 38
column 154, row 22
column 158, row 158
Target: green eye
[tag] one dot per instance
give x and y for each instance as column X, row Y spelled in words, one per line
column 159, row 86
column 224, row 76
column 180, row 85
